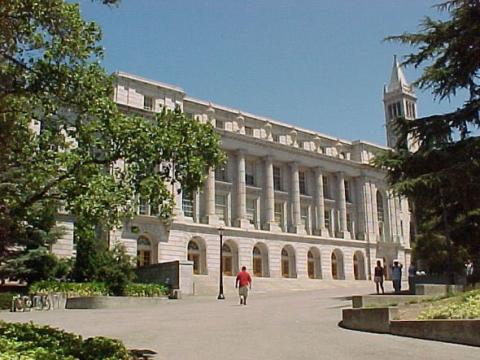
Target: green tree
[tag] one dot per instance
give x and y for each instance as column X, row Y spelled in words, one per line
column 441, row 178
column 115, row 269
column 65, row 143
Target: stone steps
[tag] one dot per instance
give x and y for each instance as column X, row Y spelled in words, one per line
column 209, row 285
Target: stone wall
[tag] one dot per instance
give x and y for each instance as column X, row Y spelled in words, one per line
column 175, row 274
column 457, row 331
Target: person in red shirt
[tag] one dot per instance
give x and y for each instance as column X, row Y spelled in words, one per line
column 244, row 281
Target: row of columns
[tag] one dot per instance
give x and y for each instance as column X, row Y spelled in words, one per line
column 269, row 191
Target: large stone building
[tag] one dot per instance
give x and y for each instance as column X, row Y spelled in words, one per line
column 293, row 202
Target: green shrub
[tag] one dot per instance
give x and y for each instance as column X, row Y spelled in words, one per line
column 116, row 270
column 464, row 306
column 6, row 300
column 33, row 265
column 103, row 348
column 70, row 289
column 29, row 341
column 135, row 289
column 96, row 289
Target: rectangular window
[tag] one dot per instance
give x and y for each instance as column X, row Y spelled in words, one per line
column 278, row 213
column 276, row 137
column 399, row 109
column 302, row 184
column 349, row 222
column 142, row 207
column 328, row 220
column 348, row 193
column 277, row 180
column 221, row 173
column 249, row 173
column 187, row 204
column 219, row 124
column 248, row 131
column 221, row 207
column 326, row 190
column 148, row 103
column 304, row 217
column 252, row 211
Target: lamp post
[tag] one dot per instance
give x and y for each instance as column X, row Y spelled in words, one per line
column 220, row 292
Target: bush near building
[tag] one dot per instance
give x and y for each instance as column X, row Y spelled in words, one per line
column 96, row 289
column 29, row 341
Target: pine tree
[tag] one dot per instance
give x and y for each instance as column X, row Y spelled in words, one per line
column 442, row 177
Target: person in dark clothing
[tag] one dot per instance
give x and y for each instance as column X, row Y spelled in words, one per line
column 379, row 276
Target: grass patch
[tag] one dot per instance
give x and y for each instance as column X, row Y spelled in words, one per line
column 460, row 306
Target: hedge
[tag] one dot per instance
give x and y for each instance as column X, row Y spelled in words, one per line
column 96, row 289
column 27, row 341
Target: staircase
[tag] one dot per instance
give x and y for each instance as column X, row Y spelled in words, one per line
column 209, row 285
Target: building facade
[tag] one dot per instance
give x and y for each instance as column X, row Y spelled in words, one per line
column 292, row 202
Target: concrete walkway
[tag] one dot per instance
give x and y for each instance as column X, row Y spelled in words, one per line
column 290, row 325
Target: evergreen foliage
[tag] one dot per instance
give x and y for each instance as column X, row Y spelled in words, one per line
column 441, row 178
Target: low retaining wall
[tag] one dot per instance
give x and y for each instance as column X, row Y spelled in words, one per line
column 175, row 274
column 359, row 301
column 437, row 289
column 465, row 332
column 374, row 319
column 112, row 302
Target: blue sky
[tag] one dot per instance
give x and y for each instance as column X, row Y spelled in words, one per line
column 315, row 64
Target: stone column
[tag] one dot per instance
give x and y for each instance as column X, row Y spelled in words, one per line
column 362, row 221
column 342, row 206
column 375, row 231
column 178, row 195
column 269, row 197
column 210, row 216
column 295, row 198
column 241, row 220
column 319, row 204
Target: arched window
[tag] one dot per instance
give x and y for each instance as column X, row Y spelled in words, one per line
column 288, row 262
column 334, row 266
column 311, row 265
column 144, row 251
column 285, row 267
column 257, row 261
column 358, row 266
column 227, row 260
column 314, row 268
column 194, row 254
column 338, row 269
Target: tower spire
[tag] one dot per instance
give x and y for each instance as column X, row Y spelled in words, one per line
column 397, row 78
column 399, row 101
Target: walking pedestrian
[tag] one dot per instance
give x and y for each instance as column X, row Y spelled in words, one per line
column 397, row 276
column 379, row 276
column 243, row 282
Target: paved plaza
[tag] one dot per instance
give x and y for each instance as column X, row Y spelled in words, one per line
column 289, row 325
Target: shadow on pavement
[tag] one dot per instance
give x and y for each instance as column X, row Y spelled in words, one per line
column 142, row 354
